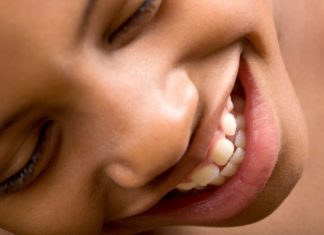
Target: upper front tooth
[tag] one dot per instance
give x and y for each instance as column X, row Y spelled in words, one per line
column 228, row 124
column 222, row 152
column 205, row 175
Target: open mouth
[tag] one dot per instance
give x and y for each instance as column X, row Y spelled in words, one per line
column 241, row 157
column 227, row 149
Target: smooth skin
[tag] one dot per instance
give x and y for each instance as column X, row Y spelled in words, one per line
column 102, row 96
column 301, row 33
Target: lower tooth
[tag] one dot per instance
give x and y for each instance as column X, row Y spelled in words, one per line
column 240, row 122
column 240, row 139
column 238, row 156
column 205, row 175
column 229, row 170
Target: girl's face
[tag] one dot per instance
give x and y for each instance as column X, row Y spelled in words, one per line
column 107, row 106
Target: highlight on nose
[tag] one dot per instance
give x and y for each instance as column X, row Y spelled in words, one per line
column 161, row 136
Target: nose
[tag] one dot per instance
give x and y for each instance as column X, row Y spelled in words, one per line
column 162, row 123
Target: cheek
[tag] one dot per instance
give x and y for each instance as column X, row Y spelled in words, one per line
column 62, row 212
column 295, row 146
column 293, row 131
column 294, row 150
column 66, row 200
column 294, row 142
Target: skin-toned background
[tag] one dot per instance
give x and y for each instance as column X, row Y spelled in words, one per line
column 301, row 34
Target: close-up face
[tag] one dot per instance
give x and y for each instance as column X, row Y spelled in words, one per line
column 118, row 117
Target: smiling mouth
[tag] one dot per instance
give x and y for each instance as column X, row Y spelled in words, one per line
column 227, row 149
column 240, row 159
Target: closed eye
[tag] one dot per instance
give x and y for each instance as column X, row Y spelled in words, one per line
column 23, row 177
column 133, row 25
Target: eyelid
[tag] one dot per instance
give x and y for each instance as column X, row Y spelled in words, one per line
column 37, row 161
column 125, row 12
column 18, row 157
column 137, row 21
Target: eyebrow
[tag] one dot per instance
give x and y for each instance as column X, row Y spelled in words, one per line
column 85, row 18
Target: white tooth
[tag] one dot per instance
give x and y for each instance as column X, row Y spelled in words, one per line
column 222, row 152
column 239, row 104
column 186, row 186
column 240, row 122
column 229, row 170
column 205, row 174
column 218, row 181
column 240, row 139
column 238, row 156
column 229, row 104
column 228, row 124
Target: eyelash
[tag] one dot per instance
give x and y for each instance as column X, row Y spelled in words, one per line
column 18, row 180
column 135, row 20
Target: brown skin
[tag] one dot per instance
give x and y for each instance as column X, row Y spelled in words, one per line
column 302, row 211
column 102, row 97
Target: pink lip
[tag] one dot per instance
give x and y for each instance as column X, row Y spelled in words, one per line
column 219, row 204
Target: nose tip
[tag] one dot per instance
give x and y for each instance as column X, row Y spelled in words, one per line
column 162, row 134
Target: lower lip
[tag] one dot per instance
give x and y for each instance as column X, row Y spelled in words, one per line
column 219, row 204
